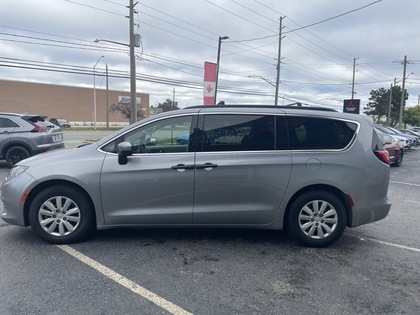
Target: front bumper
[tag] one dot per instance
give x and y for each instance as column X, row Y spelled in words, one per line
column 11, row 195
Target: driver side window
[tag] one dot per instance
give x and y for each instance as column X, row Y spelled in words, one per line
column 164, row 136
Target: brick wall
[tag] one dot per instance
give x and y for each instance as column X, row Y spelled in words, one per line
column 76, row 104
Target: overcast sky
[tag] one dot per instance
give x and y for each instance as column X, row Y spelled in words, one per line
column 52, row 41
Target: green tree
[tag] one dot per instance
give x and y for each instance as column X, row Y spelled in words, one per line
column 412, row 116
column 379, row 104
column 125, row 110
column 168, row 105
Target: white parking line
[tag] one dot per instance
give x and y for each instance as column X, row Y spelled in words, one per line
column 152, row 297
column 403, row 183
column 389, row 244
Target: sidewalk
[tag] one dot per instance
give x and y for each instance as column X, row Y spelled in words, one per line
column 74, row 138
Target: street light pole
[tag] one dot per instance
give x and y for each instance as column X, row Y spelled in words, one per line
column 217, row 69
column 276, row 100
column 131, row 45
column 133, row 92
column 94, row 91
column 107, row 98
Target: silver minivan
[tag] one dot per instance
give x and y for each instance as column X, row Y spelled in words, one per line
column 312, row 171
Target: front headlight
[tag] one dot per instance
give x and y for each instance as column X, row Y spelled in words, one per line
column 15, row 171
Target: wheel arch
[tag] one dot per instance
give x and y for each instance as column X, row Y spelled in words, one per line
column 16, row 144
column 334, row 190
column 37, row 189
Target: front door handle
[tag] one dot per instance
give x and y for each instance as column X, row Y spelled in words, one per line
column 206, row 166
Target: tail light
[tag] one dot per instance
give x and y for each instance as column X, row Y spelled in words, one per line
column 383, row 156
column 38, row 128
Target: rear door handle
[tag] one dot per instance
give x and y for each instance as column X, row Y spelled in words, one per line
column 183, row 167
column 206, row 166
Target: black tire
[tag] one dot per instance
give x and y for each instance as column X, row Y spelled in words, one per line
column 61, row 215
column 399, row 159
column 16, row 154
column 316, row 219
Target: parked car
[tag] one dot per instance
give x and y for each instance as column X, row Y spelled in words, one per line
column 413, row 133
column 22, row 136
column 406, row 141
column 303, row 169
column 61, row 122
column 414, row 139
column 398, row 132
column 394, row 148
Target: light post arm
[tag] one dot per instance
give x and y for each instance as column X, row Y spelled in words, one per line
column 110, row 41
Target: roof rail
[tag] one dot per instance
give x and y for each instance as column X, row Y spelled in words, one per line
column 294, row 106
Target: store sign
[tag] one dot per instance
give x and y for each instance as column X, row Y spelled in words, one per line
column 351, row 106
column 127, row 100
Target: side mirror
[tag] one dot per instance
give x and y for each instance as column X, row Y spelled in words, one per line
column 151, row 141
column 124, row 151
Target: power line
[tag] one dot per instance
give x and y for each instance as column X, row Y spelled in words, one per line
column 334, row 17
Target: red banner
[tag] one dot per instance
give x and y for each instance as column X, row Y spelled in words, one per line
column 209, row 82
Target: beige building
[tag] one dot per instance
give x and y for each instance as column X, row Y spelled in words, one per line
column 76, row 104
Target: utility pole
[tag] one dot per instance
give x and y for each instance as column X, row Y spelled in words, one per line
column 107, row 97
column 354, row 74
column 400, row 124
column 133, row 92
column 276, row 101
column 389, row 106
column 173, row 97
column 218, row 64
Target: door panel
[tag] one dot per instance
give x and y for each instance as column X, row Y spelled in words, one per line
column 147, row 190
column 156, row 185
column 244, row 188
column 240, row 176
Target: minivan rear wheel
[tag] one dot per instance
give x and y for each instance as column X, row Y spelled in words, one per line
column 316, row 219
column 61, row 215
column 16, row 154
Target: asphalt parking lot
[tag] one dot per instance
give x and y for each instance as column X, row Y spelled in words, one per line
column 372, row 269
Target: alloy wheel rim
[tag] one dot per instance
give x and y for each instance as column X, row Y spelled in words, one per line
column 59, row 216
column 318, row 219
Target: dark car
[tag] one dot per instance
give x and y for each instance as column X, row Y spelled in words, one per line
column 61, row 122
column 22, row 136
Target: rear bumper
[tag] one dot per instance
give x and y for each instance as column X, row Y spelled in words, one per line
column 371, row 214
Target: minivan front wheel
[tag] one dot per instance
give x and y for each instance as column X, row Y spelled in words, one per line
column 61, row 215
column 316, row 219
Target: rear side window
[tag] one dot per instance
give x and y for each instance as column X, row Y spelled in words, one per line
column 7, row 123
column 310, row 133
column 233, row 132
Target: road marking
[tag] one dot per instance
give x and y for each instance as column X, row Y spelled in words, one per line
column 389, row 244
column 403, row 183
column 152, row 297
